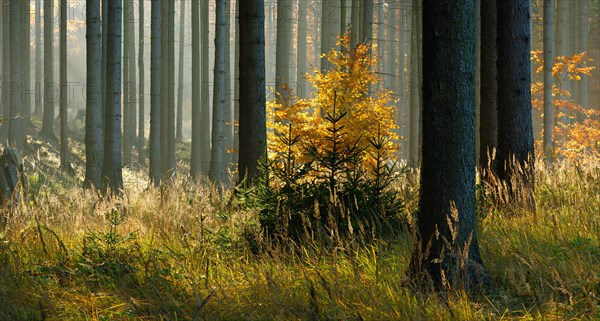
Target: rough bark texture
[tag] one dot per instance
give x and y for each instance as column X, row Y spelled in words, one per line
column 111, row 168
column 94, row 129
column 65, row 163
column 515, row 129
column 253, row 135
column 488, row 112
column 447, row 253
column 548, row 61
column 50, row 90
column 155, row 93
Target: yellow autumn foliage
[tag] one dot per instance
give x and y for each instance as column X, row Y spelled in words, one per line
column 295, row 123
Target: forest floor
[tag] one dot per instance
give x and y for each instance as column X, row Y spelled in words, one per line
column 186, row 252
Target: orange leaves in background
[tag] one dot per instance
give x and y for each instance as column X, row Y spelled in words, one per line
column 302, row 121
column 574, row 140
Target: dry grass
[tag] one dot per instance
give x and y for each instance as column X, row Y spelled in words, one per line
column 186, row 253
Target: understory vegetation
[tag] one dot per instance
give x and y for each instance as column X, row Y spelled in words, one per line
column 187, row 251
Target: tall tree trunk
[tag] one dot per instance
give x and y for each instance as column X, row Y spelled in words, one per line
column 367, row 20
column 488, row 114
column 228, row 103
column 171, row 143
column 253, row 133
column 50, row 89
column 5, row 65
column 206, row 107
column 574, row 48
column 196, row 157
column 141, row 89
column 447, row 251
column 415, row 110
column 392, row 66
column 15, row 133
column 583, row 24
column 155, row 92
column 129, row 83
column 367, row 28
column 515, row 129
column 94, row 129
column 179, row 133
column 562, row 49
column 26, row 70
column 236, row 103
column 164, row 85
column 65, row 163
column 355, row 21
column 216, row 173
column 302, row 62
column 548, row 61
column 38, row 59
column 330, row 29
column 111, row 167
column 284, row 35
column 343, row 14
column 402, row 49
column 104, row 20
column 380, row 41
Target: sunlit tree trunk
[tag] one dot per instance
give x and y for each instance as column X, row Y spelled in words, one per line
column 447, row 250
column 94, row 129
column 253, row 134
column 236, row 89
column 38, row 58
column 182, row 14
column 141, row 89
column 380, row 41
column 367, row 20
column 196, row 157
column 392, row 45
column 65, row 163
column 548, row 61
column 155, row 92
column 15, row 130
column 50, row 90
column 488, row 115
column 111, row 167
column 515, row 129
column 218, row 120
column 164, row 84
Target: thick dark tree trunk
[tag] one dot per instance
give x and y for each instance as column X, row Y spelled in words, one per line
column 253, row 134
column 447, row 253
column 515, row 129
column 488, row 128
